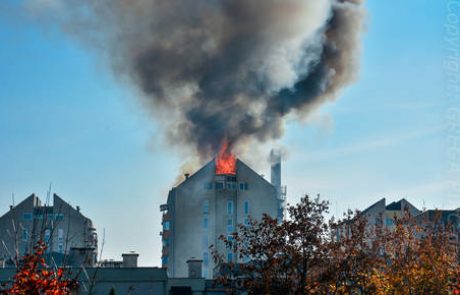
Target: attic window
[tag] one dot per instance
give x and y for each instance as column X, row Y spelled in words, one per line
column 244, row 186
column 230, row 178
column 219, row 186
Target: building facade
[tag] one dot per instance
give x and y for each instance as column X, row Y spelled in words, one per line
column 67, row 233
column 129, row 280
column 208, row 204
column 380, row 213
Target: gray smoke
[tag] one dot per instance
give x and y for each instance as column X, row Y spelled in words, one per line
column 216, row 70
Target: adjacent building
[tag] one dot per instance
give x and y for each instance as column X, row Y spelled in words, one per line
column 133, row 280
column 381, row 213
column 442, row 219
column 210, row 203
column 66, row 231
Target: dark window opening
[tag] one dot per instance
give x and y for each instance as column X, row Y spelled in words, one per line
column 181, row 291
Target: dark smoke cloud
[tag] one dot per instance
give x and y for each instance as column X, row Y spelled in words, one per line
column 217, row 70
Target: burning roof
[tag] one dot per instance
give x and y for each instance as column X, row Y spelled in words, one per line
column 225, row 161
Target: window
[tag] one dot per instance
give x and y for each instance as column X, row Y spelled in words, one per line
column 206, row 206
column 166, row 243
column 230, row 240
column 47, row 235
column 389, row 222
column 207, row 186
column 27, row 216
column 166, row 225
column 244, row 186
column 230, row 225
column 205, row 258
column 230, row 178
column 246, row 207
column 229, row 257
column 231, row 186
column 164, row 260
column 229, row 207
column 61, row 247
column 219, row 185
column 246, row 221
column 205, row 222
column 25, row 235
column 60, row 234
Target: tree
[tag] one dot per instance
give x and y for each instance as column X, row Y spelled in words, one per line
column 351, row 256
column 35, row 277
column 281, row 256
column 417, row 259
column 307, row 255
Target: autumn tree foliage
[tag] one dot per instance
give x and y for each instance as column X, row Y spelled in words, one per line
column 417, row 259
column 307, row 254
column 351, row 257
column 35, row 277
column 281, row 257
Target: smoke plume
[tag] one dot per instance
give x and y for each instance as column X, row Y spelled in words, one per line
column 216, row 70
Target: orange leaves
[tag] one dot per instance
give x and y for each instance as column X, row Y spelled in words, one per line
column 35, row 277
column 305, row 254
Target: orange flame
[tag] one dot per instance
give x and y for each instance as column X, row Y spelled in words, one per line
column 225, row 161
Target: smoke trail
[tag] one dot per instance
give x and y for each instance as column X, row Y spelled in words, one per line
column 216, row 70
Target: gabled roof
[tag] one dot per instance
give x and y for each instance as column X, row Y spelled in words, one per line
column 211, row 166
column 32, row 198
column 381, row 202
column 398, row 206
column 239, row 162
column 199, row 171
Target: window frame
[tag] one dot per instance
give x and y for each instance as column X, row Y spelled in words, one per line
column 230, row 205
column 246, row 207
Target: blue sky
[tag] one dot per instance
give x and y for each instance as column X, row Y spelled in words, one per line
column 65, row 119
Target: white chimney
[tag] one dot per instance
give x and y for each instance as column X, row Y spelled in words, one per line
column 194, row 268
column 130, row 259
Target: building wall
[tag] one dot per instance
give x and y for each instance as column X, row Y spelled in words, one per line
column 375, row 214
column 73, row 230
column 206, row 206
column 148, row 280
column 16, row 228
column 60, row 225
column 134, row 281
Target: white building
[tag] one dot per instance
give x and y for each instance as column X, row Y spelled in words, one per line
column 208, row 204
